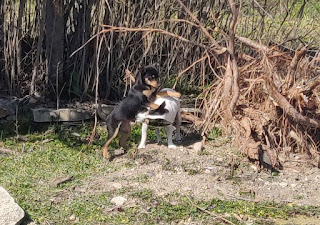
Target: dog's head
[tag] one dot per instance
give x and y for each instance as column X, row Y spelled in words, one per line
column 149, row 76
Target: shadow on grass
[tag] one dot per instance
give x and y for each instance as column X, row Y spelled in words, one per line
column 77, row 136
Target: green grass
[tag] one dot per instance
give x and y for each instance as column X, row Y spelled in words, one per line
column 59, row 150
column 152, row 209
column 27, row 176
column 305, row 27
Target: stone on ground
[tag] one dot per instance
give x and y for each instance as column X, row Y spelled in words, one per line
column 118, row 201
column 10, row 212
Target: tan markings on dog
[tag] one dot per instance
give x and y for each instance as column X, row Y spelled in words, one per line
column 148, row 93
column 152, row 83
column 168, row 93
column 153, row 105
column 106, row 145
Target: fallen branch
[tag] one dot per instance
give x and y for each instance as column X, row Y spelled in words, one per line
column 253, row 44
column 60, row 180
column 7, row 151
column 287, row 107
column 190, row 117
column 110, row 28
column 210, row 213
column 290, row 78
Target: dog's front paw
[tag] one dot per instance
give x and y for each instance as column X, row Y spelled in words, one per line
column 141, row 146
column 172, row 146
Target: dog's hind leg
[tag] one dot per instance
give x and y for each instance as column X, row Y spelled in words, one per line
column 112, row 133
column 144, row 135
column 158, row 135
column 169, row 136
column 178, row 125
column 125, row 131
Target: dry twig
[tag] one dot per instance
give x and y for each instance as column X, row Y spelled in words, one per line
column 210, row 213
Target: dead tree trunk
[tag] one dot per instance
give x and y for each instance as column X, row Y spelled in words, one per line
column 54, row 43
column 3, row 79
column 10, row 35
column 40, row 24
column 231, row 84
column 19, row 37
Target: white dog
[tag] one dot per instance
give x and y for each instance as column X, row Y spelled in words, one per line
column 171, row 116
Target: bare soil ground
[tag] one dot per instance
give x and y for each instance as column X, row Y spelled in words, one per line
column 208, row 174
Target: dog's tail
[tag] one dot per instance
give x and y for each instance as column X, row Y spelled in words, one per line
column 101, row 113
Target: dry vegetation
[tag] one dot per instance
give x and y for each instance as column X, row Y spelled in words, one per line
column 254, row 61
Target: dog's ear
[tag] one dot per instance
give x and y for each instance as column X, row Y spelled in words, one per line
column 160, row 110
column 143, row 71
column 141, row 74
column 151, row 69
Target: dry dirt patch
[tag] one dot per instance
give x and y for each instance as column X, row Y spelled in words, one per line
column 208, row 175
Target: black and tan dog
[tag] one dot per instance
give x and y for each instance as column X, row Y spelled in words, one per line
column 139, row 97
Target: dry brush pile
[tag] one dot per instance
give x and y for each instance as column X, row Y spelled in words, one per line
column 268, row 100
column 277, row 111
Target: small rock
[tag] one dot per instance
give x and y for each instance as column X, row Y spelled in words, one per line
column 150, row 173
column 72, row 217
column 283, row 184
column 198, row 146
column 255, row 168
column 118, row 201
column 216, row 178
column 209, row 167
column 219, row 159
column 10, row 212
column 76, row 134
column 187, row 189
column 245, row 218
column 65, row 115
column 118, row 151
column 117, row 185
column 207, row 171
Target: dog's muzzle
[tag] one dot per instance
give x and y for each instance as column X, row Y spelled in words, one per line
column 152, row 83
